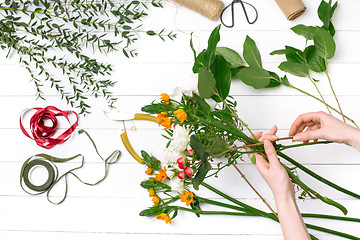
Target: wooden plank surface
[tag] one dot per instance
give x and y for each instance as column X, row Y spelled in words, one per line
column 110, row 211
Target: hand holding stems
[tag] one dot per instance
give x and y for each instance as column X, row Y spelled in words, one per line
column 320, row 125
column 276, row 177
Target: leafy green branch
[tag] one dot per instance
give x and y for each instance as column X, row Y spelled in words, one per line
column 37, row 30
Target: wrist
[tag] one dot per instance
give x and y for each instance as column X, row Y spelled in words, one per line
column 355, row 139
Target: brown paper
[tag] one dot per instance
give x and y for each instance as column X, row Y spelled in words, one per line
column 291, row 8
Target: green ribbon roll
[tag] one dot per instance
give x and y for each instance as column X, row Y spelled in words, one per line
column 49, row 163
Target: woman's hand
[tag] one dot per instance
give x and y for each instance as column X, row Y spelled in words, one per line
column 273, row 173
column 320, row 125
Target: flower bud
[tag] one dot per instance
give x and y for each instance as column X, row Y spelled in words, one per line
column 191, row 152
column 181, row 161
column 189, row 171
column 181, row 166
column 181, row 175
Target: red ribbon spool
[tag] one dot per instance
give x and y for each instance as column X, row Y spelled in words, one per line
column 42, row 133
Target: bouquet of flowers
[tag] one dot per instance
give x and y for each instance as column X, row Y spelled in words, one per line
column 200, row 133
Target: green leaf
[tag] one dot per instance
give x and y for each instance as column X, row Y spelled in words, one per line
column 297, row 69
column 222, row 75
column 274, row 80
column 147, row 184
column 200, row 175
column 230, row 55
column 204, row 106
column 253, row 159
column 324, row 43
column 212, row 43
column 255, row 77
column 285, row 81
column 150, row 161
column 313, row 60
column 325, row 12
column 306, row 31
column 206, row 83
column 283, row 51
column 199, row 62
column 294, row 55
column 251, row 53
column 198, row 148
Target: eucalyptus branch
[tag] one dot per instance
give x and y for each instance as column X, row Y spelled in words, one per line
column 34, row 29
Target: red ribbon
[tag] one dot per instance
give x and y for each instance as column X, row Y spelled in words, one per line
column 41, row 133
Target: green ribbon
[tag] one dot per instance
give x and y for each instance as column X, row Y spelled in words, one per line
column 49, row 163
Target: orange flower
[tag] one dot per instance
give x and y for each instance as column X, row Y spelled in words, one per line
column 161, row 176
column 181, row 115
column 187, row 197
column 151, row 192
column 166, row 122
column 165, row 98
column 149, row 171
column 165, row 217
column 155, row 200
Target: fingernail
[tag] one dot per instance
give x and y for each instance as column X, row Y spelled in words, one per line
column 295, row 138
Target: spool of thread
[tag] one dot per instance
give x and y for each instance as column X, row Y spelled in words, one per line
column 291, row 8
column 208, row 8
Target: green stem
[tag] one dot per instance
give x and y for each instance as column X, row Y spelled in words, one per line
column 332, row 89
column 327, row 105
column 317, row 177
column 317, row 89
column 319, row 196
column 271, row 216
column 281, row 147
column 313, row 215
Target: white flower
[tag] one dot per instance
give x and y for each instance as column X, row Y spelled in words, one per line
column 170, row 172
column 181, row 138
column 171, row 155
column 177, row 184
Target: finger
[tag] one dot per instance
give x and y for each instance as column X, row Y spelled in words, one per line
column 271, row 138
column 261, row 164
column 304, row 126
column 256, row 135
column 271, row 154
column 309, row 135
column 305, row 118
column 273, row 130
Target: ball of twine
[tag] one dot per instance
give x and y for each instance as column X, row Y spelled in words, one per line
column 208, row 8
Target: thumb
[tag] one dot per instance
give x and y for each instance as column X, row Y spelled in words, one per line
column 309, row 135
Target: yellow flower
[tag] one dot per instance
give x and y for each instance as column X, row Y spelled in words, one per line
column 155, row 200
column 181, row 115
column 165, row 98
column 161, row 176
column 151, row 192
column 165, row 217
column 149, row 171
column 187, row 197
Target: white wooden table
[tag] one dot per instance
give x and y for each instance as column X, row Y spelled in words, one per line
column 111, row 209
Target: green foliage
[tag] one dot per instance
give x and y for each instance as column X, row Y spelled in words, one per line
column 255, row 77
column 206, row 83
column 147, row 184
column 37, row 30
column 212, row 43
column 251, row 53
column 222, row 75
column 313, row 60
column 233, row 58
column 297, row 69
column 196, row 145
column 306, row 31
column 201, row 174
column 324, row 43
column 150, row 161
column 325, row 13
